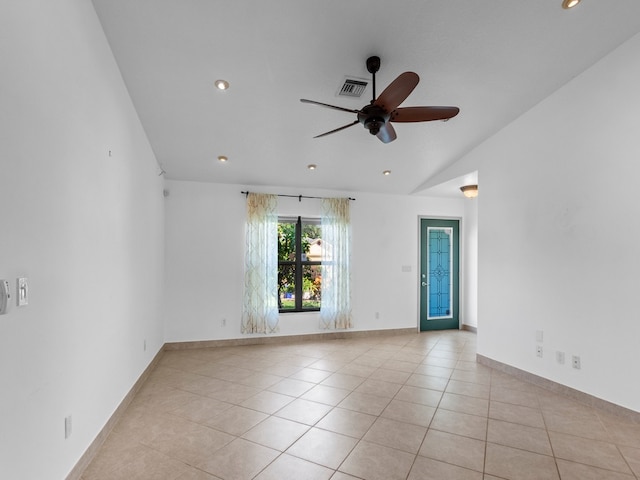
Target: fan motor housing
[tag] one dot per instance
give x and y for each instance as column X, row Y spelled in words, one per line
column 373, row 118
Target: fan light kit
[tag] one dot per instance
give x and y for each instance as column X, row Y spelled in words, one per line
column 567, row 4
column 222, row 84
column 378, row 115
column 470, row 191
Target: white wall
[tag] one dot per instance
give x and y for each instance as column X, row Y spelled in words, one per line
column 205, row 255
column 559, row 236
column 86, row 228
column 469, row 270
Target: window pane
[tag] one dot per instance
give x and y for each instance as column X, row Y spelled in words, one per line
column 286, row 240
column 311, row 282
column 286, row 287
column 311, row 240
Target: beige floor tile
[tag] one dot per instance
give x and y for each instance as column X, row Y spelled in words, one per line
column 240, row 460
column 343, row 476
column 423, row 396
column 481, row 378
column 365, row 403
column 149, row 464
column 465, row 404
column 516, row 414
column 430, row 469
column 347, row 422
column 260, row 380
column 340, row 380
column 454, row 449
column 378, row 388
column 304, row 411
column 376, row 462
column 515, row 397
column 277, row 433
column 408, row 412
column 577, row 471
column 365, row 410
column 590, row 452
column 195, row 474
column 287, row 466
column 199, row 409
column 327, row 395
column 440, row 362
column 433, row 370
column 621, row 431
column 400, row 365
column 116, row 451
column 357, row 370
column 189, row 442
column 311, row 375
column 236, row 420
column 391, row 433
column 323, row 447
column 427, row 381
column 234, row 393
column 291, row 387
column 514, row 464
column 632, row 456
column 387, row 375
column 267, row 402
column 469, row 389
column 582, row 424
column 519, row 436
column 460, row 424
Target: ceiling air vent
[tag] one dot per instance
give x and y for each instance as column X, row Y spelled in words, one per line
column 353, row 87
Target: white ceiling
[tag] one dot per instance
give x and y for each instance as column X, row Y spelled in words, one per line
column 494, row 59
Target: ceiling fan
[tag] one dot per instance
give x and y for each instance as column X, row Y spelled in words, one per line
column 378, row 115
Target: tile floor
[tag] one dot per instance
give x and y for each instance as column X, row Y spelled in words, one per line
column 403, row 407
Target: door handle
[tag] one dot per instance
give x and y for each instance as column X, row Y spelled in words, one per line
column 424, row 284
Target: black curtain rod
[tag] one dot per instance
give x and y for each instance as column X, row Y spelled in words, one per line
column 299, row 197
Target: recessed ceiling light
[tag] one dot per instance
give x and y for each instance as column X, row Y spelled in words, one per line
column 386, row 173
column 566, row 4
column 312, row 166
column 222, row 158
column 222, row 84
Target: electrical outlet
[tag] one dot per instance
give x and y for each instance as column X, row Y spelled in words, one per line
column 539, row 350
column 575, row 362
column 144, row 347
column 224, row 322
column 539, row 336
column 560, row 358
column 377, row 315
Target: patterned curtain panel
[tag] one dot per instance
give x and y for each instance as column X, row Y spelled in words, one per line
column 335, row 311
column 260, row 305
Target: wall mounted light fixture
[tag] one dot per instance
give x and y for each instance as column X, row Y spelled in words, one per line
column 470, row 191
column 567, row 4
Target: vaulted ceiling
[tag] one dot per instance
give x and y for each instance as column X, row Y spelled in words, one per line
column 493, row 59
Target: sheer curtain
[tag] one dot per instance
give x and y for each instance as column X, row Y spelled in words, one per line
column 335, row 311
column 260, row 305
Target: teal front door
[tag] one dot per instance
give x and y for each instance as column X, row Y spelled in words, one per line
column 439, row 258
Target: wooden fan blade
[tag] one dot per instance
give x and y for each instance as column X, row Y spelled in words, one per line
column 336, row 130
column 397, row 91
column 387, row 133
column 423, row 114
column 312, row 102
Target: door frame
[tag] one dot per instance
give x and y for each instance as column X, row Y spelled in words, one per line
column 458, row 267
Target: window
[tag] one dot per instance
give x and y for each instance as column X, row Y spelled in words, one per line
column 299, row 264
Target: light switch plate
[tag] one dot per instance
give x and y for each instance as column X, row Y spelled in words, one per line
column 23, row 291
